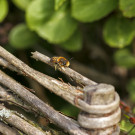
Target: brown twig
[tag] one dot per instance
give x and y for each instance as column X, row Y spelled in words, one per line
column 61, row 120
column 7, row 64
column 64, row 90
column 60, row 88
column 39, row 77
column 32, row 83
column 19, row 123
column 94, row 74
column 73, row 74
column 7, row 130
column 5, row 96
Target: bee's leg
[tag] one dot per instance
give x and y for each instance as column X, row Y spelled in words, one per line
column 55, row 66
column 63, row 68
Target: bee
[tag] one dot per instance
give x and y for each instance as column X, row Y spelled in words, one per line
column 60, row 62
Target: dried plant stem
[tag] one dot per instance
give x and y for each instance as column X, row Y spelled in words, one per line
column 61, row 120
column 73, row 74
column 5, row 96
column 66, row 91
column 52, row 84
column 19, row 123
column 32, row 83
column 62, row 89
column 7, row 64
column 7, row 130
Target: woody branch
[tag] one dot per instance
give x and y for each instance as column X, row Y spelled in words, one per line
column 62, row 89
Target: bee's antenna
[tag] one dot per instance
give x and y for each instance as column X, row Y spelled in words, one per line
column 71, row 58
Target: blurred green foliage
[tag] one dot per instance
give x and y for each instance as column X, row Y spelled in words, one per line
column 58, row 3
column 131, row 89
column 127, row 8
column 126, row 126
column 92, row 10
column 124, row 58
column 57, row 21
column 60, row 22
column 3, row 9
column 22, row 4
column 17, row 40
column 119, row 31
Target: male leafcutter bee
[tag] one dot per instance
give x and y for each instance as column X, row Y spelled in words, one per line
column 59, row 62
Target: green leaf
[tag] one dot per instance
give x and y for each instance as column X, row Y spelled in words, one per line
column 128, row 7
column 55, row 27
column 21, row 37
column 131, row 89
column 124, row 58
column 38, row 12
column 118, row 32
column 92, row 10
column 3, row 9
column 58, row 3
column 125, row 126
column 22, row 4
column 59, row 27
column 74, row 43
